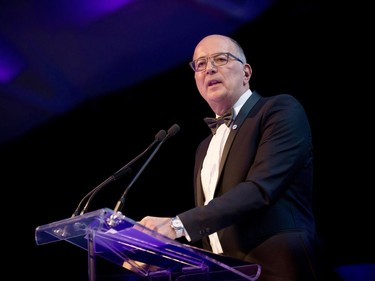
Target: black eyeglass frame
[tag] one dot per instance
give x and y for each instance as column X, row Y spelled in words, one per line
column 192, row 63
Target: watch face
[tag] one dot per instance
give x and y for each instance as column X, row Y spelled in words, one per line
column 177, row 224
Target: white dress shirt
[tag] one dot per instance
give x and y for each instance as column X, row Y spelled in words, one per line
column 211, row 163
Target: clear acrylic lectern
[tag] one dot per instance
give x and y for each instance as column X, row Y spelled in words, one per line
column 144, row 253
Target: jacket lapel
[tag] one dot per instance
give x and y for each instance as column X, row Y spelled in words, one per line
column 245, row 110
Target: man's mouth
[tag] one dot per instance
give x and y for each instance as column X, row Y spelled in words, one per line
column 213, row 82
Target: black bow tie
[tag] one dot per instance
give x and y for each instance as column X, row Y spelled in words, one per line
column 214, row 123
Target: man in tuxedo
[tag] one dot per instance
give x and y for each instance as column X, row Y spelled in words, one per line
column 253, row 176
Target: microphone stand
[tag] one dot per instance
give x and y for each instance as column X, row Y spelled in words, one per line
column 117, row 216
column 160, row 136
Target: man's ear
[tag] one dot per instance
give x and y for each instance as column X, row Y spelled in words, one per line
column 247, row 71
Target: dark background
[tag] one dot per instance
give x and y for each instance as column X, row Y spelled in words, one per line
column 292, row 48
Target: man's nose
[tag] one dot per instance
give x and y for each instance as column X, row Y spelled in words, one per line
column 210, row 65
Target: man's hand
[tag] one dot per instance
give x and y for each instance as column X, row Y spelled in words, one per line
column 160, row 225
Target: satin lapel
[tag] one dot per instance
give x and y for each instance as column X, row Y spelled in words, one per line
column 236, row 126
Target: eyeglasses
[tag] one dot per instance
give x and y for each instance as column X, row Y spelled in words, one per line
column 218, row 59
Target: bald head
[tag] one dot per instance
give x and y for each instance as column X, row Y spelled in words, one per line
column 221, row 41
column 223, row 74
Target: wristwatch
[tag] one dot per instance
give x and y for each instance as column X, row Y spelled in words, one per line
column 177, row 225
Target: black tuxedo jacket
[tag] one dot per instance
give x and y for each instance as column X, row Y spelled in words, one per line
column 264, row 190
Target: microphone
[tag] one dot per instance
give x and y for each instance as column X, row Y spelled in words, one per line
column 120, row 204
column 161, row 135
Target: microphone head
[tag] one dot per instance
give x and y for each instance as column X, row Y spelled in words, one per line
column 173, row 130
column 161, row 135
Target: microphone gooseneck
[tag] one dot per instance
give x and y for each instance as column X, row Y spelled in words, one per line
column 120, row 203
column 161, row 135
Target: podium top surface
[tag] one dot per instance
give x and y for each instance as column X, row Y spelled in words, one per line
column 123, row 241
